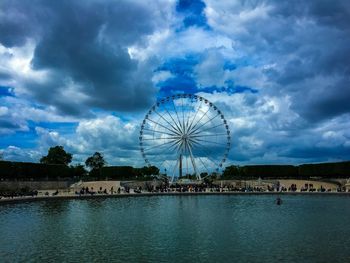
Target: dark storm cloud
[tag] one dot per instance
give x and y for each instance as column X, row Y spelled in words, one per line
column 318, row 153
column 310, row 42
column 84, row 45
column 323, row 101
column 6, row 124
column 333, row 13
column 326, row 52
column 4, row 76
column 18, row 20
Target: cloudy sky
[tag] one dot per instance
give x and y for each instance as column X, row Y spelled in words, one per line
column 82, row 74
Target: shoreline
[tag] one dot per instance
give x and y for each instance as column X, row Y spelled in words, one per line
column 15, row 200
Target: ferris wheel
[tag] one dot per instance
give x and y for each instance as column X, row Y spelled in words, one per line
column 185, row 135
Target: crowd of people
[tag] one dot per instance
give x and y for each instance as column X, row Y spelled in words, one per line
column 91, row 191
column 18, row 193
column 172, row 188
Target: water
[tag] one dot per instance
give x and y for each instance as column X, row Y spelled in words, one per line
column 236, row 228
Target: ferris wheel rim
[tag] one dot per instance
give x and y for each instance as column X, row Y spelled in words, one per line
column 176, row 132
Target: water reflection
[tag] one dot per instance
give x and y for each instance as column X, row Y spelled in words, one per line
column 177, row 228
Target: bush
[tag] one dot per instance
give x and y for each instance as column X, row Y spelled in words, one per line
column 33, row 171
column 329, row 170
column 304, row 171
column 120, row 172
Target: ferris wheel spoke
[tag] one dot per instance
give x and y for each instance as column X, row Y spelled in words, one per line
column 189, row 127
column 205, row 167
column 177, row 162
column 165, row 150
column 178, row 128
column 174, row 129
column 157, row 123
column 163, row 163
column 187, row 154
column 208, row 152
column 214, row 163
column 205, row 114
column 188, row 120
column 208, row 135
column 207, row 129
column 193, row 160
column 177, row 115
column 157, row 131
column 173, row 147
column 164, row 138
column 158, row 146
column 194, row 130
column 199, row 165
column 197, row 139
column 183, row 115
column 201, row 142
column 186, row 159
column 176, row 145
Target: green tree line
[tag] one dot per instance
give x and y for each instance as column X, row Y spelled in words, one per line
column 304, row 171
column 55, row 165
column 38, row 171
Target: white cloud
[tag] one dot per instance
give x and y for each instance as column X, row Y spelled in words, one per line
column 242, row 123
column 116, row 139
column 16, row 63
column 170, row 43
column 20, row 154
column 18, row 112
column 3, row 111
column 231, row 17
column 210, row 71
column 160, row 76
column 258, row 124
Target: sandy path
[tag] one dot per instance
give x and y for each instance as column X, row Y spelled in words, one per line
column 96, row 185
column 301, row 183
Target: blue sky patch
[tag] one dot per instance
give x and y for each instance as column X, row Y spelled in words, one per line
column 232, row 88
column 230, row 66
column 22, row 139
column 6, row 92
column 61, row 127
column 177, row 84
column 194, row 13
column 182, row 70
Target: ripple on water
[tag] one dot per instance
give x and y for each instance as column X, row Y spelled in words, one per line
column 236, row 228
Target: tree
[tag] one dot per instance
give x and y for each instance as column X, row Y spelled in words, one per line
column 232, row 172
column 57, row 155
column 79, row 170
column 149, row 170
column 96, row 161
column 154, row 170
column 208, row 180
